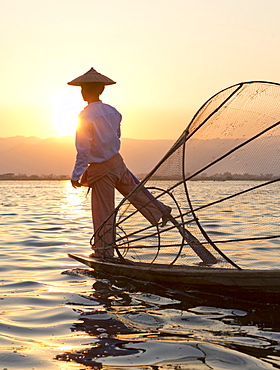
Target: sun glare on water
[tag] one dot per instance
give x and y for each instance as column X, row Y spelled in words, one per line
column 66, row 107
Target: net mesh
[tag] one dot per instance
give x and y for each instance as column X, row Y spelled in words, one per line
column 221, row 179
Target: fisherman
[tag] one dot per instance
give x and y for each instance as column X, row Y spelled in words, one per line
column 100, row 166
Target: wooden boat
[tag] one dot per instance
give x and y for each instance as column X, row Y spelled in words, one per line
column 184, row 278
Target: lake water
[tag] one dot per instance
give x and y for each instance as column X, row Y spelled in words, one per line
column 57, row 314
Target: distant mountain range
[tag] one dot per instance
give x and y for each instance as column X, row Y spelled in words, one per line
column 35, row 156
column 56, row 156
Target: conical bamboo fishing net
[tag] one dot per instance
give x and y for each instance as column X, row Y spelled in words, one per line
column 221, row 179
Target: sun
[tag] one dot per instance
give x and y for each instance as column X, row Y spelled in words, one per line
column 66, row 107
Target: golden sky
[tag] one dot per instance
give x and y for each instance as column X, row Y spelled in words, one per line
column 167, row 56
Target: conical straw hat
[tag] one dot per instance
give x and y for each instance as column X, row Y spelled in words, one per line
column 91, row 76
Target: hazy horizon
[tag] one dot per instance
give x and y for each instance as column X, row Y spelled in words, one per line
column 57, row 155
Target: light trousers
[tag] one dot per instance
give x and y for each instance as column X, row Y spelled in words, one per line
column 103, row 204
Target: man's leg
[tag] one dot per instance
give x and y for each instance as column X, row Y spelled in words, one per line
column 141, row 201
column 102, row 204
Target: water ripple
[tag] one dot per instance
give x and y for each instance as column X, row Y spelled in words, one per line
column 57, row 315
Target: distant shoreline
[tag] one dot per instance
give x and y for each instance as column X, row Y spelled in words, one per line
column 210, row 178
column 44, row 179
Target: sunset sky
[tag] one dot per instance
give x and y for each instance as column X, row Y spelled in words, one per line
column 167, row 56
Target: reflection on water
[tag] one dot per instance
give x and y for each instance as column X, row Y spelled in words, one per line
column 136, row 327
column 55, row 314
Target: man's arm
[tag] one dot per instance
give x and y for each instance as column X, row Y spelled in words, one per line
column 83, row 146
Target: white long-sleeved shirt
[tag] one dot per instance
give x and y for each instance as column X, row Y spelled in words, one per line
column 97, row 136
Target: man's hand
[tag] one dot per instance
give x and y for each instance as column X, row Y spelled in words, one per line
column 75, row 184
